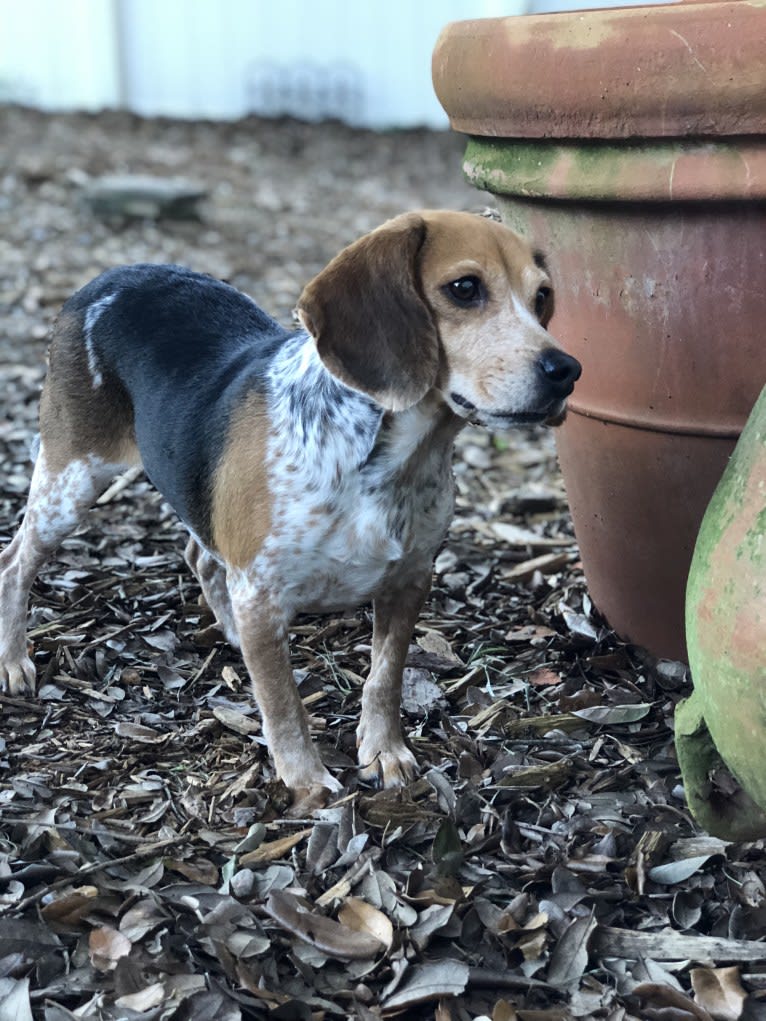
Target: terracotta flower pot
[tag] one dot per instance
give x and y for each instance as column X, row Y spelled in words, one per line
column 630, row 146
column 726, row 635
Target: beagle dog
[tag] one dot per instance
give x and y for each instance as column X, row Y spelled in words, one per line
column 312, row 467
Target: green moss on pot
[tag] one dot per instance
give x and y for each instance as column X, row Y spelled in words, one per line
column 726, row 639
column 654, row 170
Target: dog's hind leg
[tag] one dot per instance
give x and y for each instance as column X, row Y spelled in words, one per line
column 212, row 580
column 86, row 437
column 58, row 500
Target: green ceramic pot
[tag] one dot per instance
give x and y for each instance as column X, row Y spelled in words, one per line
column 724, row 721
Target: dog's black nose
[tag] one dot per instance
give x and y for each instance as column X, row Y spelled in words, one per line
column 561, row 371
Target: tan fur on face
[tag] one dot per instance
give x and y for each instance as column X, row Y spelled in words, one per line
column 384, row 325
column 241, row 504
column 489, row 352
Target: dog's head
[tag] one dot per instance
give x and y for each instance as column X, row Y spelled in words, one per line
column 442, row 301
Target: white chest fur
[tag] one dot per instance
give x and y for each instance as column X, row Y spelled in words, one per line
column 357, row 496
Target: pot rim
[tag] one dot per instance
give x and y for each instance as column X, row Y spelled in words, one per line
column 666, row 71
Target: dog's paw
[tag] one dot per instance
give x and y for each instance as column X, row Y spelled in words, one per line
column 306, row 800
column 17, row 675
column 302, row 771
column 394, row 767
column 328, row 781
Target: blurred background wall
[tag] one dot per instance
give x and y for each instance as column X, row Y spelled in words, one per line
column 366, row 62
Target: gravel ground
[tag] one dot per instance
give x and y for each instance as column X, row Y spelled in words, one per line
column 543, row 867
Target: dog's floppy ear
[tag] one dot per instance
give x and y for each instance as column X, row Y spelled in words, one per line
column 372, row 327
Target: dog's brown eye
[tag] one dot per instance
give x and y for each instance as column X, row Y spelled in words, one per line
column 541, row 301
column 465, row 291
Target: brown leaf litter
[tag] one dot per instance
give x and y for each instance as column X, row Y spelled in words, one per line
column 544, row 865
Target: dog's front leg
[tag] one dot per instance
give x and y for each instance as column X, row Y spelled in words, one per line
column 263, row 635
column 383, row 755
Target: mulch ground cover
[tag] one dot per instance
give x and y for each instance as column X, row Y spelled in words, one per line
column 544, row 866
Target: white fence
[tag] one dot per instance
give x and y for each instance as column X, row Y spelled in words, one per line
column 365, row 61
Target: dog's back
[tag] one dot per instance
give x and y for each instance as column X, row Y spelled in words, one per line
column 148, row 361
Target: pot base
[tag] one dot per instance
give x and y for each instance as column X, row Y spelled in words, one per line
column 730, row 816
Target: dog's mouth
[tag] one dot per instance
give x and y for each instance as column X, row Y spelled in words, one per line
column 552, row 415
column 518, row 419
column 512, row 419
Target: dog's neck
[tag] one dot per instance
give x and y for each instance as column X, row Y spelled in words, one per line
column 321, row 419
column 428, row 428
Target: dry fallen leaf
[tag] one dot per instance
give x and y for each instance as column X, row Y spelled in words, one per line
column 569, row 958
column 144, row 999
column 70, row 906
column 719, row 991
column 419, row 691
column 664, row 996
column 363, row 917
column 137, row 732
column 547, row 775
column 435, row 642
column 677, row 871
column 428, row 982
column 272, row 850
column 614, row 714
column 198, row 871
column 236, row 721
column 544, row 677
column 503, row 1011
column 324, row 933
column 14, row 1000
column 106, row 946
column 141, row 918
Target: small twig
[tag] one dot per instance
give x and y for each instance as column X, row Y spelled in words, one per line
column 30, row 704
column 109, row 636
column 86, row 831
column 488, row 977
column 351, row 878
column 88, row 870
column 120, row 483
column 208, row 660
